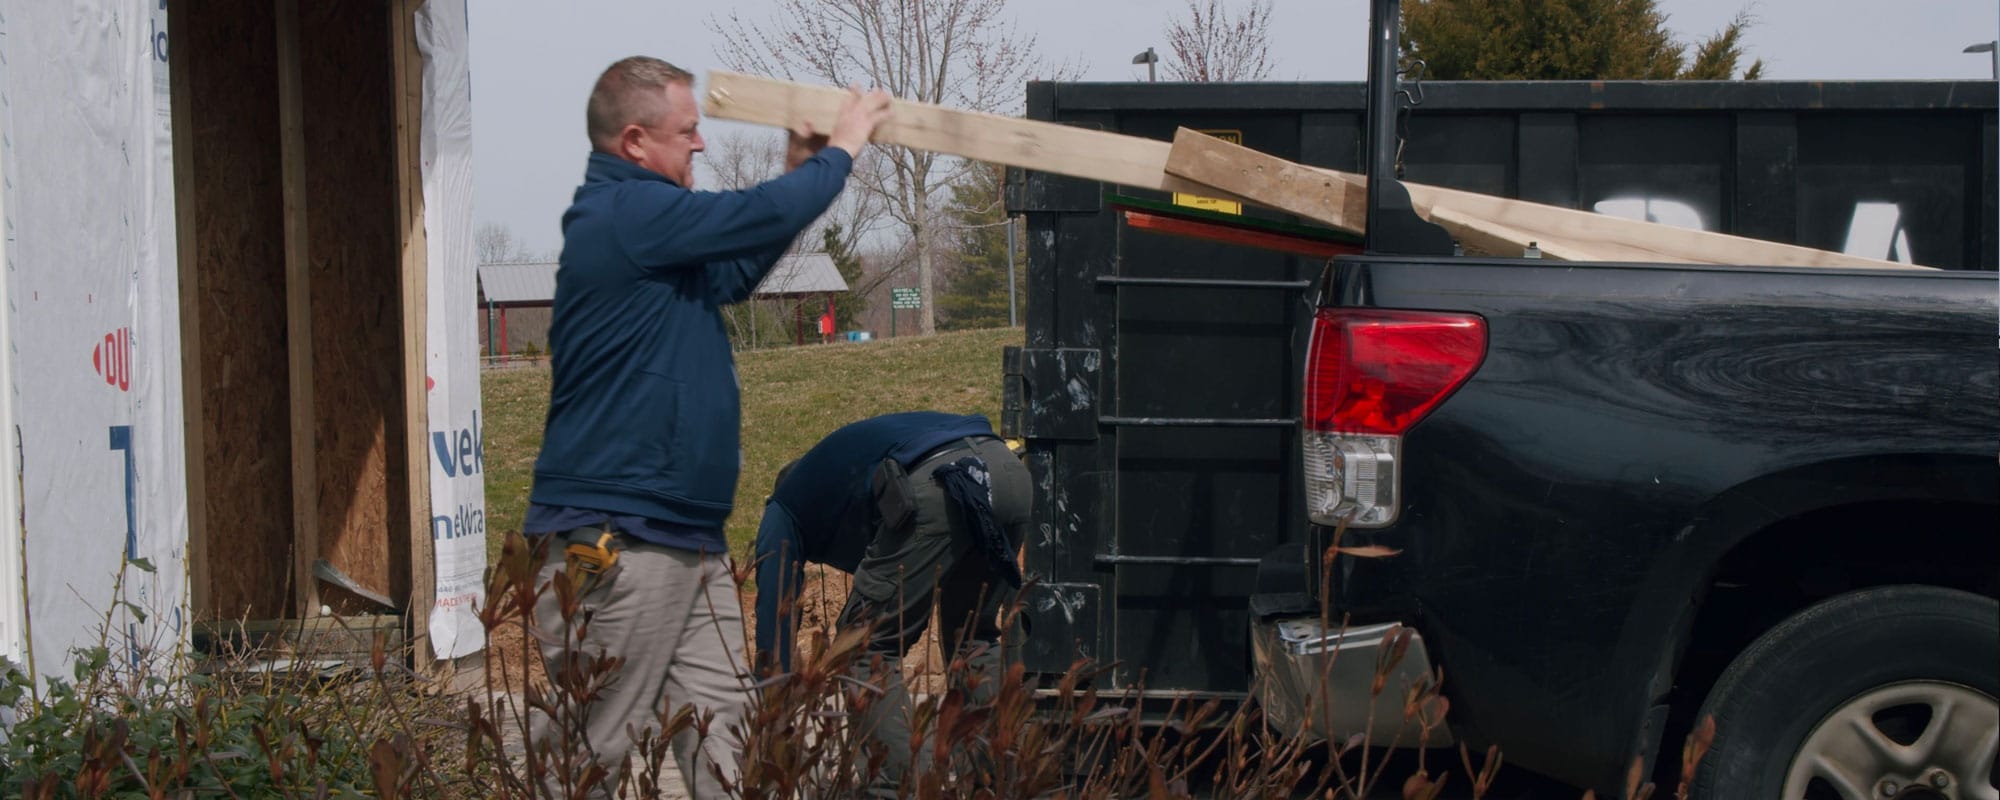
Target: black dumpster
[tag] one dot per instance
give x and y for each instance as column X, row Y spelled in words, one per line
column 1159, row 386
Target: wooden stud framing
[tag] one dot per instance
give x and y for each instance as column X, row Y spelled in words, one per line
column 298, row 313
column 300, row 218
column 194, row 429
column 409, row 83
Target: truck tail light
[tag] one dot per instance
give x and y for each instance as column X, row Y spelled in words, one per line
column 1370, row 376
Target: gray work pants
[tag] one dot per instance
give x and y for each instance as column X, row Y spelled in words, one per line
column 935, row 558
column 674, row 616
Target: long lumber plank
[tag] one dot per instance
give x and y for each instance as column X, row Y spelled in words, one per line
column 1339, row 199
column 1485, row 237
column 1320, row 195
column 1605, row 233
column 1480, row 221
column 1046, row 146
column 1200, row 164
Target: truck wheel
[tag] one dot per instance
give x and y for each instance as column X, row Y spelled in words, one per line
column 1880, row 694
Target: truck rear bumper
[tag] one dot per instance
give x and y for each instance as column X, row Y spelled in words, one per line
column 1315, row 681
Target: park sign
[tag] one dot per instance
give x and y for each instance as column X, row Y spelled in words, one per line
column 905, row 298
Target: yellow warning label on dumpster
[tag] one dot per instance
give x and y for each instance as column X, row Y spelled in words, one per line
column 1211, row 203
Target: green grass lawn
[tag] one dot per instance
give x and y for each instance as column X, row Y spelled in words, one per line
column 791, row 398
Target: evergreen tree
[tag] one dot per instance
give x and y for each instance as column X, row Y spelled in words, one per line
column 977, row 294
column 1563, row 40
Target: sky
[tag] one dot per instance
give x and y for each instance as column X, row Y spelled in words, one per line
column 533, row 62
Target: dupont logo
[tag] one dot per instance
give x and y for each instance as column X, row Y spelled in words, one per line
column 113, row 359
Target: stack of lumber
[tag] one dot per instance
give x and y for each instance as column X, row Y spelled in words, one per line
column 1195, row 163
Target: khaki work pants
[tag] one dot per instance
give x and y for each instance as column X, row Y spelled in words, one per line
column 674, row 616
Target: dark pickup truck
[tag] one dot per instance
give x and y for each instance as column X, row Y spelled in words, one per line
column 1627, row 494
column 1624, row 496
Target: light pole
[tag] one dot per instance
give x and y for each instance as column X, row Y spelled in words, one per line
column 1992, row 49
column 1148, row 58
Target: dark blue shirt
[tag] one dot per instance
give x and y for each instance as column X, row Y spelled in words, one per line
column 643, row 406
column 822, row 511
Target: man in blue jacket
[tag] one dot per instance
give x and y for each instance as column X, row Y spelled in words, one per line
column 920, row 507
column 641, row 437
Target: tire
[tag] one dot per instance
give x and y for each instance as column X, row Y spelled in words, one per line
column 1893, row 664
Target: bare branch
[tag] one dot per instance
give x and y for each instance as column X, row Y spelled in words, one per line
column 742, row 160
column 495, row 244
column 960, row 53
column 1212, row 44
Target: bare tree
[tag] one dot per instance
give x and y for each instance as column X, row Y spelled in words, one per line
column 741, row 160
column 1219, row 42
column 961, row 53
column 495, row 244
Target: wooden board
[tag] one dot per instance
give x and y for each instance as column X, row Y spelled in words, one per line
column 1496, row 225
column 1611, row 238
column 407, row 103
column 1204, row 165
column 1015, row 142
column 341, row 638
column 228, row 52
column 1321, row 195
column 194, row 430
column 298, row 310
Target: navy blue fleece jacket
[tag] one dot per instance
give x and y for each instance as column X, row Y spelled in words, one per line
column 643, row 410
column 822, row 511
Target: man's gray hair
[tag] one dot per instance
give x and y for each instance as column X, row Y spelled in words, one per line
column 629, row 93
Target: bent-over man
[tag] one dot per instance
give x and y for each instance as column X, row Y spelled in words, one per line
column 921, row 507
